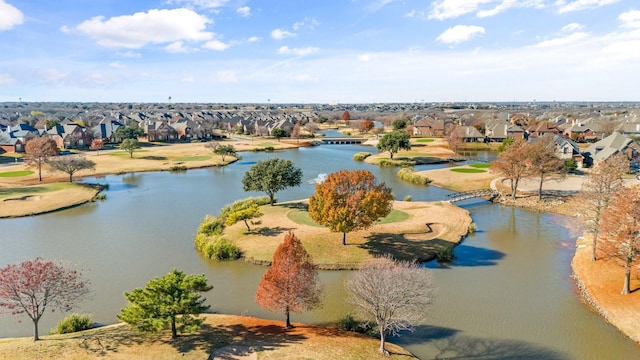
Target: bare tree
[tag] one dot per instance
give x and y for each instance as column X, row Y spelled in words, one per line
column 71, row 164
column 32, row 286
column 394, row 294
column 454, row 138
column 511, row 165
column 542, row 160
column 38, row 151
column 604, row 180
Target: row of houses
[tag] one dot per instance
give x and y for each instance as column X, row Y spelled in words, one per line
column 156, row 127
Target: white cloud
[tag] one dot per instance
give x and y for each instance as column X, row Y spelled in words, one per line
column 216, row 45
column 572, row 27
column 307, row 22
column 630, row 19
column 285, row 50
column 244, row 11
column 188, row 79
column 228, row 76
column 416, row 14
column 563, row 41
column 364, row 57
column 10, row 16
column 448, row 9
column 200, row 4
column 460, row 33
column 177, row 47
column 116, row 65
column 6, row 78
column 581, row 5
column 280, row 34
column 253, row 39
column 142, row 28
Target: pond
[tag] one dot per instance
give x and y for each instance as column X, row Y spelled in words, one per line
column 509, row 294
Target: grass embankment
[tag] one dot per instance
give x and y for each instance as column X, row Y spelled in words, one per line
column 403, row 234
column 461, row 178
column 432, row 151
column 33, row 197
column 221, row 337
column 38, row 199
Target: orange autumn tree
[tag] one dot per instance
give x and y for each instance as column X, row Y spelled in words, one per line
column 350, row 200
column 290, row 285
column 620, row 230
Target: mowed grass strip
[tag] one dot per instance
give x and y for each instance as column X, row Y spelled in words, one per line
column 126, row 153
column 468, row 170
column 34, row 190
column 425, row 140
column 16, row 173
column 481, row 165
column 302, row 217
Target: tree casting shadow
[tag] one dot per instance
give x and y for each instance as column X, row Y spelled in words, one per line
column 470, row 256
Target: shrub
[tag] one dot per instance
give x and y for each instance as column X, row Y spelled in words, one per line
column 350, row 323
column 178, row 168
column 101, row 197
column 269, row 148
column 445, row 254
column 408, row 198
column 472, row 228
column 222, row 249
column 409, row 175
column 211, row 225
column 74, row 323
column 361, row 156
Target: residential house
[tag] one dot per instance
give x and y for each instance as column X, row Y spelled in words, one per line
column 157, row 130
column 106, row 130
column 498, row 131
column 469, row 134
column 609, row 146
column 428, row 127
column 543, row 128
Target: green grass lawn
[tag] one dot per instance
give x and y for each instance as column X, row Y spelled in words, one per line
column 302, row 217
column 31, row 190
column 425, row 140
column 481, row 166
column 16, row 173
column 468, row 171
column 194, row 158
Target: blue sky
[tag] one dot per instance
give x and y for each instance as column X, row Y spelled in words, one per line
column 292, row 51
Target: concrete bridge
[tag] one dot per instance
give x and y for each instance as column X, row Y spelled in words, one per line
column 342, row 140
column 482, row 193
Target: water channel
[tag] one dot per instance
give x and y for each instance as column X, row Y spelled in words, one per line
column 508, row 295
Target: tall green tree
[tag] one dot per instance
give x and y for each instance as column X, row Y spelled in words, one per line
column 271, row 176
column 245, row 213
column 225, row 150
column 129, row 145
column 38, row 151
column 171, row 301
column 278, row 133
column 350, row 200
column 291, row 284
column 129, row 132
column 394, row 142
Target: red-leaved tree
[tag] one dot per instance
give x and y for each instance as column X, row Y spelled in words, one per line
column 290, row 285
column 350, row 200
column 32, row 286
column 620, row 230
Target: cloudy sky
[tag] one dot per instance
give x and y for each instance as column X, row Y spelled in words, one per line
column 293, row 51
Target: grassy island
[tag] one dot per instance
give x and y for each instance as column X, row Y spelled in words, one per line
column 404, row 234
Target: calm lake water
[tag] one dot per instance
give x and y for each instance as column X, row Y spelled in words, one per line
column 508, row 295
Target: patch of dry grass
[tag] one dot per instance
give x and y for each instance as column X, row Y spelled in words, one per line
column 221, row 337
column 601, row 283
column 38, row 199
column 407, row 240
